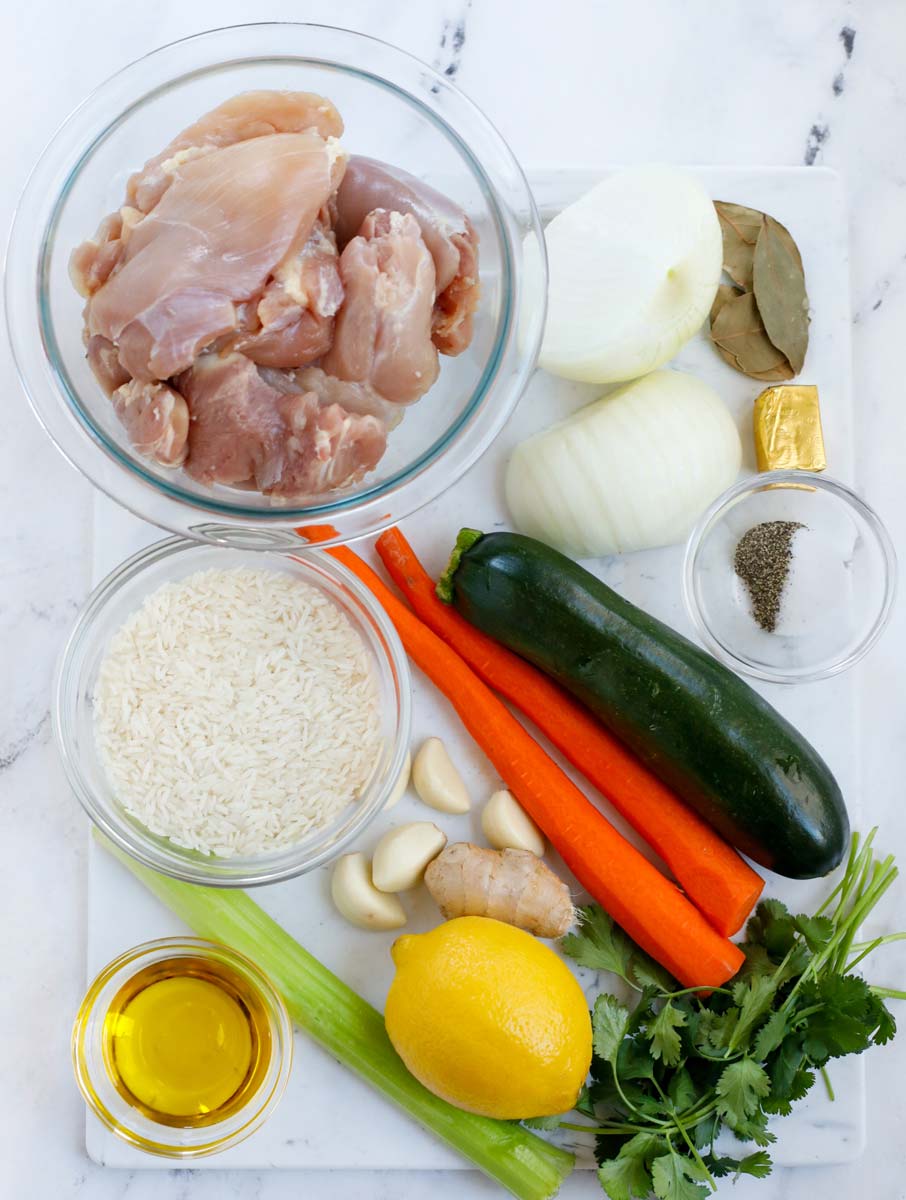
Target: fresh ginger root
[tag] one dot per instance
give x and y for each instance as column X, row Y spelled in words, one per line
column 510, row 885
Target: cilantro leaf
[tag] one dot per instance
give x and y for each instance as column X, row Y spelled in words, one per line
column 603, row 946
column 768, row 924
column 634, row 1060
column 585, row 1103
column 754, row 997
column 758, row 1165
column 646, row 973
column 624, row 1178
column 609, row 1021
column 716, row 1030
column 720, row 1165
column 543, row 1123
column 628, row 1175
column 665, row 1041
column 783, row 1066
column 886, row 1026
column 758, row 961
column 674, row 1178
column 845, row 1020
column 817, row 931
column 754, row 1129
column 770, row 1035
column 599, row 943
column 740, row 1087
column 682, row 1090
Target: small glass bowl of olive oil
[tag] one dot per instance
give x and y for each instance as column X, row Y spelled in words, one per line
column 182, row 1047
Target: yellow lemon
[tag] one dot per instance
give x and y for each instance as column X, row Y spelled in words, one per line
column 489, row 1018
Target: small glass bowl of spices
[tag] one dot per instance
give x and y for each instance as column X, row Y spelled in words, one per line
column 789, row 577
column 182, row 1047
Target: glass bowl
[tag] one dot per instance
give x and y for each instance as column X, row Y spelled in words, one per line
column 395, row 108
column 107, row 1101
column 108, row 606
column 838, row 594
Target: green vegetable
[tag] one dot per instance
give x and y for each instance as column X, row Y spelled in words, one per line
column 354, row 1033
column 674, row 1070
column 707, row 734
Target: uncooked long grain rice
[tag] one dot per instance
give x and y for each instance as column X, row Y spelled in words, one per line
column 236, row 711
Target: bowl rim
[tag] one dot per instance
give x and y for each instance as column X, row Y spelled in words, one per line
column 762, row 481
column 239, row 871
column 56, row 401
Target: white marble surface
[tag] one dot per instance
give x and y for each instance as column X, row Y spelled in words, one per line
column 818, row 81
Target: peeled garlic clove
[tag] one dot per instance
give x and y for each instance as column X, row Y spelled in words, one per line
column 358, row 900
column 438, row 783
column 402, row 855
column 399, row 788
column 507, row 826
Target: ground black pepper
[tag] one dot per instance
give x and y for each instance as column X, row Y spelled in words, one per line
column 762, row 561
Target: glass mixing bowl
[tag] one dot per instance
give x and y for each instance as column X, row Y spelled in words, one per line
column 115, row 599
column 839, row 592
column 396, row 109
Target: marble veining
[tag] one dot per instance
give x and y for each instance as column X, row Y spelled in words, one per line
column 448, row 58
column 582, row 83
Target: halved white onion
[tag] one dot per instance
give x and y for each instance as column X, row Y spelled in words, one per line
column 633, row 470
column 633, row 268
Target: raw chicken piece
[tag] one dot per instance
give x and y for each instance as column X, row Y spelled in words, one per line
column 92, row 263
column 358, row 398
column 297, row 307
column 243, row 430
column 383, row 330
column 248, row 115
column 227, row 220
column 104, row 362
column 156, row 419
column 447, row 231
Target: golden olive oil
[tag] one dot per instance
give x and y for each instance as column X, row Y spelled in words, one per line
column 187, row 1041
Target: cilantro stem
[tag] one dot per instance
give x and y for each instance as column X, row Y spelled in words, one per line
column 828, row 1084
column 888, row 993
column 868, row 948
column 883, row 940
column 628, row 1103
column 882, row 876
column 847, row 874
column 613, row 1129
column 685, row 1136
column 713, row 991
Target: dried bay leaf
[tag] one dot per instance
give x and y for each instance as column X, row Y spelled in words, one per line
column 779, row 290
column 724, row 293
column 779, row 375
column 740, row 335
column 740, row 228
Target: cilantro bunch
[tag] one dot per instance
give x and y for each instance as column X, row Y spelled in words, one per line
column 672, row 1072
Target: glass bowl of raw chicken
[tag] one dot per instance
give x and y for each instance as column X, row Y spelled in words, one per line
column 270, row 277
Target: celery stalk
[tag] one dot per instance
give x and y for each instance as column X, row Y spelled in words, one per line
column 354, row 1033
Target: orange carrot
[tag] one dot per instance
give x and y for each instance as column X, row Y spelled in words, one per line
column 652, row 910
column 712, row 874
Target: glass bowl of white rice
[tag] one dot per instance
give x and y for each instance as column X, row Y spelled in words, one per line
column 232, row 717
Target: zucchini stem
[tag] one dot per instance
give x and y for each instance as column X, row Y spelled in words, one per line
column 465, row 540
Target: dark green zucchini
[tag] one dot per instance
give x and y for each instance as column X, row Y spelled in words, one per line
column 699, row 727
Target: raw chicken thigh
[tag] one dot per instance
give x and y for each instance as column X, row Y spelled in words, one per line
column 368, row 185
column 383, row 334
column 258, row 319
column 286, row 444
column 223, row 226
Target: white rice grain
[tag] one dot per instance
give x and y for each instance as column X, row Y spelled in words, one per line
column 236, row 712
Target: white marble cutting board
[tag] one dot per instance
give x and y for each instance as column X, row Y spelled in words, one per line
column 311, row 1128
